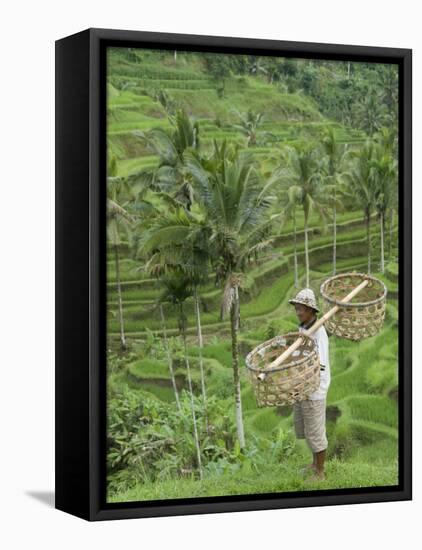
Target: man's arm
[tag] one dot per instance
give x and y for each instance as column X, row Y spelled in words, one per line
column 323, row 348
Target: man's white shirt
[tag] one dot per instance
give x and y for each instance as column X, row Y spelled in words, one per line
column 321, row 339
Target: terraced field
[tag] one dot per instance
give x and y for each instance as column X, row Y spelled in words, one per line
column 362, row 400
column 132, row 106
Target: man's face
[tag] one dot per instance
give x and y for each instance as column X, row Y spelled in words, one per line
column 304, row 313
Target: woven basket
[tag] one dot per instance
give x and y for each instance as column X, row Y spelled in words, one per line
column 290, row 382
column 364, row 315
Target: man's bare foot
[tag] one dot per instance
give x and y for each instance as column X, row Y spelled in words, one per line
column 308, row 468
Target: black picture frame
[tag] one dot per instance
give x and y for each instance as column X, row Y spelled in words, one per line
column 80, row 274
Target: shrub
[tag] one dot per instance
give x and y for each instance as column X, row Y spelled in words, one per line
column 155, row 441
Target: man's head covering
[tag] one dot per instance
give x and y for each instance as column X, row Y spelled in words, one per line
column 306, row 297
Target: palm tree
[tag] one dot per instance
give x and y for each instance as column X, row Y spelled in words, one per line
column 384, row 174
column 390, row 90
column 249, row 123
column 167, row 102
column 273, row 66
column 361, row 188
column 178, row 241
column 292, row 200
column 170, row 176
column 371, row 112
column 218, row 66
column 118, row 219
column 169, row 357
column 335, row 154
column 157, row 269
column 176, row 291
column 387, row 138
column 196, row 256
column 304, row 177
column 236, row 204
column 393, row 209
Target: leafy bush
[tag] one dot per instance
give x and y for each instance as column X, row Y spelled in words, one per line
column 155, row 441
column 149, row 440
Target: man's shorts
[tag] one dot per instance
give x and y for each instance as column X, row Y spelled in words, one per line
column 309, row 423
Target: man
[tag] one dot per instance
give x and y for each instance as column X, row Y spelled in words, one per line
column 310, row 414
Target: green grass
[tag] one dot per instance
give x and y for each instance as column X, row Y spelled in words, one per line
column 149, row 368
column 373, row 408
column 284, row 478
column 221, row 352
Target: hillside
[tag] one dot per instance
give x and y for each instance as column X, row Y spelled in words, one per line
column 132, row 105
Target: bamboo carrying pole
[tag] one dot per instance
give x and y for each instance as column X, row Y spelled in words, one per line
column 277, row 362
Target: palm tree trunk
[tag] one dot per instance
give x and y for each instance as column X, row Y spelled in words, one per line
column 382, row 241
column 296, row 275
column 306, row 253
column 201, row 361
column 169, row 358
column 195, row 428
column 334, row 232
column 390, row 240
column 119, row 299
column 234, row 325
column 368, row 239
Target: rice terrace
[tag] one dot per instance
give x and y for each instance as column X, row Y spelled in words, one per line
column 233, row 182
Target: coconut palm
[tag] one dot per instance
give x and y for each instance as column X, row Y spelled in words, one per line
column 177, row 290
column 169, row 356
column 118, row 220
column 393, row 210
column 335, row 156
column 274, row 66
column 390, row 89
column 291, row 202
column 302, row 173
column 248, row 125
column 166, row 101
column 384, row 176
column 177, row 241
column 387, row 138
column 170, row 146
column 371, row 112
column 157, row 269
column 236, row 204
column 195, row 251
column 360, row 186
